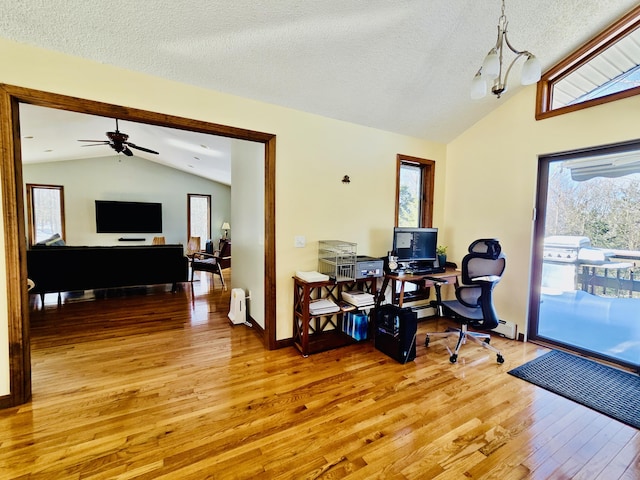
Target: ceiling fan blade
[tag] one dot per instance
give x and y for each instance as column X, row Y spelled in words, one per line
column 127, row 152
column 104, row 142
column 95, row 144
column 132, row 145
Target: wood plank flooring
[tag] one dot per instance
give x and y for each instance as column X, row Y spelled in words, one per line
column 161, row 386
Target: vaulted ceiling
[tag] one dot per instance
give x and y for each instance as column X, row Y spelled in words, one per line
column 403, row 66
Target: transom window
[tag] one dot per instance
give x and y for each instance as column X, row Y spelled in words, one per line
column 605, row 69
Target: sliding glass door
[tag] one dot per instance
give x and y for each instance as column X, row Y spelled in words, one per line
column 587, row 253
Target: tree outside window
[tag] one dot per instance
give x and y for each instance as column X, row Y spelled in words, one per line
column 415, row 179
column 199, row 215
column 45, row 208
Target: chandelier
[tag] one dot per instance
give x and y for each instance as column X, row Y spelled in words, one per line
column 492, row 70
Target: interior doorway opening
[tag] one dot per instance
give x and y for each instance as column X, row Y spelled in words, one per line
column 14, row 225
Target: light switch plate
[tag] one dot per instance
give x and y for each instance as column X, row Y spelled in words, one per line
column 299, row 241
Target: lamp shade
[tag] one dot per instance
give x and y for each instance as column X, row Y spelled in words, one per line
column 478, row 87
column 491, row 65
column 226, row 226
column 531, row 71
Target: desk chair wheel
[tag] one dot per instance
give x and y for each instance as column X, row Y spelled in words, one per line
column 500, row 358
column 453, row 358
column 487, row 341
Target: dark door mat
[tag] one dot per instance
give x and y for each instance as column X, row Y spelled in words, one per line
column 605, row 389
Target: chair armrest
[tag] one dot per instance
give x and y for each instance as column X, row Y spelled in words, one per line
column 486, row 278
column 204, row 255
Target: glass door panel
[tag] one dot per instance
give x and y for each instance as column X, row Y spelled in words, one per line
column 588, row 252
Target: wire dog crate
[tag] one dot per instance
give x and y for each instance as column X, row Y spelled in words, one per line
column 337, row 259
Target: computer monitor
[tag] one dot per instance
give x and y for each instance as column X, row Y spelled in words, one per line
column 415, row 244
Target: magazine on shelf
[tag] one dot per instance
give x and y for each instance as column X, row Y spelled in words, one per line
column 322, row 306
column 358, row 298
column 312, row 276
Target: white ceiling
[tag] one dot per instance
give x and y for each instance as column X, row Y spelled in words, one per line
column 403, row 66
column 48, row 135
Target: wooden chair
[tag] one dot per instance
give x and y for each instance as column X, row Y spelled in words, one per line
column 207, row 262
column 224, row 253
column 193, row 247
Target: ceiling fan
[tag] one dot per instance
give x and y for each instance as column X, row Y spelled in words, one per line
column 118, row 141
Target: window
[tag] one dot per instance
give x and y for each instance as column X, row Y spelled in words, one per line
column 45, row 208
column 414, row 192
column 199, row 216
column 603, row 70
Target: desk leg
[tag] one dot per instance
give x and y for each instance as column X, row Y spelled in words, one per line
column 401, row 296
column 381, row 293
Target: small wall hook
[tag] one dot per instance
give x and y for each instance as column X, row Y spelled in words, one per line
column 346, row 179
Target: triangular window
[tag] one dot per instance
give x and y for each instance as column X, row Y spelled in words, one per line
column 605, row 69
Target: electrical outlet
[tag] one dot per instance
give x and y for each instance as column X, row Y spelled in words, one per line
column 299, row 241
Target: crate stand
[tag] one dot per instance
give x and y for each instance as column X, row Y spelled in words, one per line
column 317, row 333
column 337, row 259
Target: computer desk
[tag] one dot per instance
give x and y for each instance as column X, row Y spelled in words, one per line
column 450, row 275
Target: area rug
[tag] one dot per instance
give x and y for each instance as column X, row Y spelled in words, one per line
column 605, row 389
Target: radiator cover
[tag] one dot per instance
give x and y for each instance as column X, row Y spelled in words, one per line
column 506, row 329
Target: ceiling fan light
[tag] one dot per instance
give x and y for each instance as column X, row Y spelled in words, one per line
column 491, row 65
column 478, row 87
column 531, row 71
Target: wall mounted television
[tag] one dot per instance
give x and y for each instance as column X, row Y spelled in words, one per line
column 415, row 244
column 128, row 217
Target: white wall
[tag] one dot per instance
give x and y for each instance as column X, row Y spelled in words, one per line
column 126, row 179
column 247, row 223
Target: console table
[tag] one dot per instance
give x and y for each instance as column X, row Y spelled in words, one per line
column 316, row 333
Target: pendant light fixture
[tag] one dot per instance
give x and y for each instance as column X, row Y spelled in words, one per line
column 492, row 72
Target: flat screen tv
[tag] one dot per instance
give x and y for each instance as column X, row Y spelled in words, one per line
column 415, row 244
column 128, row 217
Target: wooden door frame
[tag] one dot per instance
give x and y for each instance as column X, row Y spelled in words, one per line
column 14, row 222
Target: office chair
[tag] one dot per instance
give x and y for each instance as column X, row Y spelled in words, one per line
column 482, row 269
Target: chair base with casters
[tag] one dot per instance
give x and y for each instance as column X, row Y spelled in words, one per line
column 482, row 269
column 463, row 334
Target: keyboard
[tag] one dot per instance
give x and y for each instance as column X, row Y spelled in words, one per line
column 426, row 271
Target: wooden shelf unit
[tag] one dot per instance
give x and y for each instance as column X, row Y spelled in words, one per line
column 316, row 333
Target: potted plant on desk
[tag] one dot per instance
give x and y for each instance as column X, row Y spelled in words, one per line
column 441, row 251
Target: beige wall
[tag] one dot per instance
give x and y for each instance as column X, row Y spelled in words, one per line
column 490, row 186
column 313, row 154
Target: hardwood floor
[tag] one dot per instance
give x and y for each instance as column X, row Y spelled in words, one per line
column 161, row 386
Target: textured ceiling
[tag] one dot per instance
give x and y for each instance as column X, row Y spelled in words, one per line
column 401, row 66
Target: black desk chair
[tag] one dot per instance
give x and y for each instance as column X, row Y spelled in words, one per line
column 482, row 269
